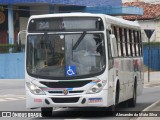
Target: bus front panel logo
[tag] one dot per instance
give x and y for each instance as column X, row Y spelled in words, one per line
column 65, row 91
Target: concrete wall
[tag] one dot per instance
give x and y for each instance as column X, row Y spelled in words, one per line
column 147, row 1
column 158, row 30
column 39, row 9
column 12, row 66
column 152, row 1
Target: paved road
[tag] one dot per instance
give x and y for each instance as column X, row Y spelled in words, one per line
column 13, row 87
column 12, row 98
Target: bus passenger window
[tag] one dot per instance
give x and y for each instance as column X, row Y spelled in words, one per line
column 121, row 41
column 110, row 59
column 126, row 41
column 130, row 41
column 134, row 42
column 115, row 32
column 139, row 42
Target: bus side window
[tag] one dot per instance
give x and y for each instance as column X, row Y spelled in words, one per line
column 130, row 41
column 139, row 43
column 134, row 42
column 119, row 44
column 126, row 41
column 110, row 58
column 121, row 41
column 115, row 29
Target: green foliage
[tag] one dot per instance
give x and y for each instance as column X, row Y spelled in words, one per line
column 8, row 48
column 152, row 44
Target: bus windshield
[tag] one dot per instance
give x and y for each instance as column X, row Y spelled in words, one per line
column 65, row 55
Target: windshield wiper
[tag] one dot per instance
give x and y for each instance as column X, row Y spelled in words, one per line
column 79, row 40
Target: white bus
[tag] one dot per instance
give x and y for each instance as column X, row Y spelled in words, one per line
column 82, row 60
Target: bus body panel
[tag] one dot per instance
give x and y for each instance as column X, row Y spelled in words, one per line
column 127, row 74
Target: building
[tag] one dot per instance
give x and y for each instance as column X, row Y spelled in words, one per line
column 152, row 1
column 123, row 1
column 15, row 13
column 146, row 1
column 150, row 20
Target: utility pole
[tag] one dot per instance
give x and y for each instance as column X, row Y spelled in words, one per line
column 149, row 33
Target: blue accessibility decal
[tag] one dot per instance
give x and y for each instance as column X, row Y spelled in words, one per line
column 70, row 70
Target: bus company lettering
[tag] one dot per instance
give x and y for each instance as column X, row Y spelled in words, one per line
column 95, row 100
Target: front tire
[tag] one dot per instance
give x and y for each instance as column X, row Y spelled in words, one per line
column 46, row 112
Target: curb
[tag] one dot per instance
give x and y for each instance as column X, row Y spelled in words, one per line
column 151, row 107
column 152, row 85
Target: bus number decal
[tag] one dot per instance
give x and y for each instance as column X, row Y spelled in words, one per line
column 43, row 25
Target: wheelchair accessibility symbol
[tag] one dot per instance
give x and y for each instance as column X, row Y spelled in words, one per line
column 70, row 70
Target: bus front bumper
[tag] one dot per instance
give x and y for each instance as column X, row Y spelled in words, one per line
column 84, row 100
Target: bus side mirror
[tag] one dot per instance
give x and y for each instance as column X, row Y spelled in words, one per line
column 113, row 45
column 19, row 45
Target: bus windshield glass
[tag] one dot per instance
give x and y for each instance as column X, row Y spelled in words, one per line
column 66, row 24
column 65, row 55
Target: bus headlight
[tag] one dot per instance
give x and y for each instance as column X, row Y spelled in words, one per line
column 34, row 89
column 97, row 87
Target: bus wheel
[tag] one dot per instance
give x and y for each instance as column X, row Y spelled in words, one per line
column 132, row 101
column 117, row 95
column 46, row 112
column 111, row 110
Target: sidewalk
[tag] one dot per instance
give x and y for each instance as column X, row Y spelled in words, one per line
column 154, row 81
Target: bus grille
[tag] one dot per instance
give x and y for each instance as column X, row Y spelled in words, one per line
column 61, row 92
column 65, row 100
column 66, row 84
